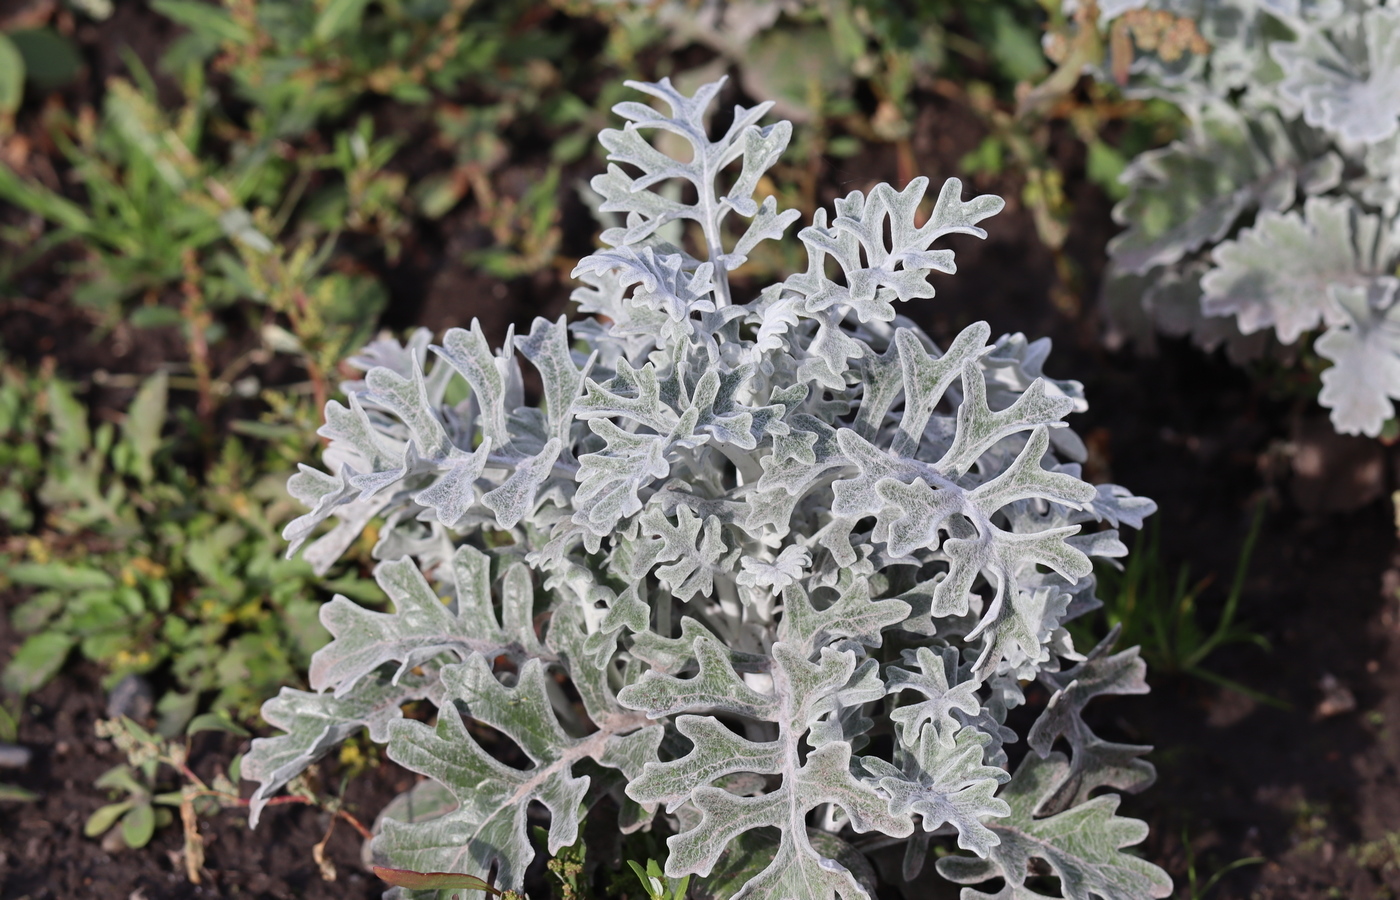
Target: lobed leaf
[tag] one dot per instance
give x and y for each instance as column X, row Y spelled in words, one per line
column 1345, row 74
column 422, row 625
column 1083, row 846
column 315, row 724
column 1365, row 353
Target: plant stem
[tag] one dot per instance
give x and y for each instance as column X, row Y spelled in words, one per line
column 197, row 321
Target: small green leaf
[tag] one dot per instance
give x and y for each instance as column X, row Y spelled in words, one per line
column 68, row 417
column 1016, row 46
column 60, row 576
column 11, row 77
column 175, row 708
column 843, row 146
column 337, row 18
column 215, row 722
column 39, row 658
column 655, row 883
column 122, row 778
column 36, row 612
column 144, row 420
column 10, row 793
column 405, row 878
column 154, row 317
column 988, row 157
column 203, row 19
column 139, row 825
column 169, row 798
column 105, row 818
column 50, row 59
column 438, row 193
column 641, row 876
column 9, row 725
column 33, row 196
column 1104, row 166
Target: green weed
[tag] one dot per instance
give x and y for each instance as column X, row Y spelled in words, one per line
column 148, row 567
column 1162, row 614
column 1197, row 891
column 657, row 884
column 139, row 807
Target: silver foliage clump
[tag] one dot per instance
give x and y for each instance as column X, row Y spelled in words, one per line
column 793, row 561
column 1276, row 219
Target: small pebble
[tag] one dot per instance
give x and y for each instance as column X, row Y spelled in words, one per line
column 13, row 756
column 1337, row 698
column 131, row 697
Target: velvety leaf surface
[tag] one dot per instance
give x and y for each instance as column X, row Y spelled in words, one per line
column 733, row 532
column 1083, row 845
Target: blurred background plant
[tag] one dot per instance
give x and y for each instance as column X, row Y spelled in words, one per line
column 257, row 187
column 1272, row 227
column 35, row 55
column 243, row 192
column 857, row 74
column 144, row 568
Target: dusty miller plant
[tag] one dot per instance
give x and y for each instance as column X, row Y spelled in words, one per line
column 1277, row 217
column 768, row 574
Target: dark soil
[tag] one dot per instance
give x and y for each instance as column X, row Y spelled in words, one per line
column 43, row 853
column 1316, row 795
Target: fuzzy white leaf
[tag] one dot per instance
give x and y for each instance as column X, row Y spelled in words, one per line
column 1365, row 353
column 1345, row 75
column 1083, row 845
column 1278, row 273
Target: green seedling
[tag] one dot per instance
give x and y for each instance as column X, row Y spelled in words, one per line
column 21, row 453
column 657, row 884
column 567, row 866
column 10, row 710
column 300, row 64
column 370, row 198
column 136, row 816
column 141, row 807
column 162, row 217
column 1197, row 891
column 526, row 231
column 146, row 200
column 1163, row 613
column 193, row 214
